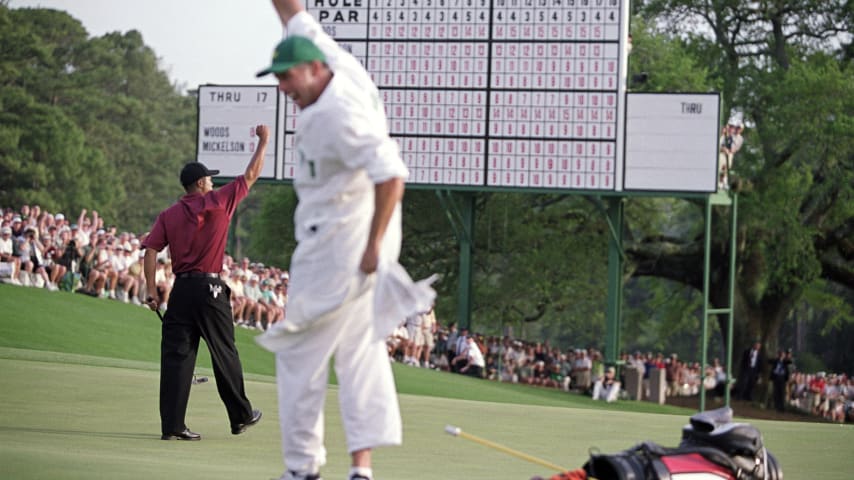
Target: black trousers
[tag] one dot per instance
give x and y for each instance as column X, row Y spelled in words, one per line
column 779, row 393
column 199, row 308
column 750, row 377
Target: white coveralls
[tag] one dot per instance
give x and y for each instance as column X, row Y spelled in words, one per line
column 343, row 149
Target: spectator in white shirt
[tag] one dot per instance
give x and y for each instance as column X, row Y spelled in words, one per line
column 7, row 255
column 474, row 360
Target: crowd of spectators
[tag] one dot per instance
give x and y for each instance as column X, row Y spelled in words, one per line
column 830, row 396
column 48, row 250
column 583, row 371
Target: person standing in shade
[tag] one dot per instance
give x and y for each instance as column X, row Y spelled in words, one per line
column 751, row 364
column 779, row 377
column 195, row 229
column 349, row 181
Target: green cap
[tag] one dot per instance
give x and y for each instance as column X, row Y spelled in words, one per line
column 293, row 51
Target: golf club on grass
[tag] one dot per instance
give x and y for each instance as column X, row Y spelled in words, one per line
column 457, row 432
column 196, row 379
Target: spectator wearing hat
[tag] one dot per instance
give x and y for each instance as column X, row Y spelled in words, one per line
column 122, row 262
column 281, row 296
column 195, row 229
column 7, row 255
column 256, row 307
column 106, row 253
column 17, row 227
column 272, row 310
column 59, row 220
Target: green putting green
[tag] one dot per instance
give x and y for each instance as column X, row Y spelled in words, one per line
column 78, row 390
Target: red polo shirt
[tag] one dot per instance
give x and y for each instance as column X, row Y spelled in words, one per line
column 196, row 228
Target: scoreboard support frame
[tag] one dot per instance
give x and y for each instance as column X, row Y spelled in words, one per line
column 463, row 221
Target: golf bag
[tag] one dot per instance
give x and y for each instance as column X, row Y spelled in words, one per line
column 712, row 448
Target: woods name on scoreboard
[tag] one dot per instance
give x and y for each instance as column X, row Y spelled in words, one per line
column 227, row 118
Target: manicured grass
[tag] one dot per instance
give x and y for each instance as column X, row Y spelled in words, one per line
column 79, row 400
column 78, row 324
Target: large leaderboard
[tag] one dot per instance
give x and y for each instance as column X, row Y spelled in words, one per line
column 492, row 93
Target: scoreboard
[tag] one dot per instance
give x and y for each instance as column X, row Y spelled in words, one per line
column 492, row 93
column 227, row 119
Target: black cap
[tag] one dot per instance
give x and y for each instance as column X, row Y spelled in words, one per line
column 194, row 171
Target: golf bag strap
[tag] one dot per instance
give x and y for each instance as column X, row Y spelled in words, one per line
column 711, row 454
column 577, row 474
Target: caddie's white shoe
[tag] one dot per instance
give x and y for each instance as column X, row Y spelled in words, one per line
column 289, row 475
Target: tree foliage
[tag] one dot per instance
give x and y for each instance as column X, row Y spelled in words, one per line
column 787, row 67
column 88, row 122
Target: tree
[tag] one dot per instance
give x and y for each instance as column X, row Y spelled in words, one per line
column 88, row 123
column 786, row 66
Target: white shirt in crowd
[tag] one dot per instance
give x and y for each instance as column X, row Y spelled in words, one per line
column 474, row 355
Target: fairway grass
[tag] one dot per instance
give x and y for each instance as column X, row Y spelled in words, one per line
column 78, row 400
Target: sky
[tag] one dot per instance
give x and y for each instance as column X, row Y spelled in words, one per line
column 197, row 41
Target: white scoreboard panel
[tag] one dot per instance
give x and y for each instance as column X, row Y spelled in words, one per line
column 228, row 115
column 672, row 142
column 492, row 93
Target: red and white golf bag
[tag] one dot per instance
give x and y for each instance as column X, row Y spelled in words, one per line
column 712, row 448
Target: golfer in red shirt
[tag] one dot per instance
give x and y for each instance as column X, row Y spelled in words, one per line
column 195, row 229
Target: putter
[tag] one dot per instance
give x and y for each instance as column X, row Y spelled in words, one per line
column 196, row 379
column 457, row 432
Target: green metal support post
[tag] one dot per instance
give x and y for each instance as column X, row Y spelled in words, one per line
column 707, row 247
column 613, row 313
column 466, row 240
column 733, row 219
column 461, row 219
column 730, row 200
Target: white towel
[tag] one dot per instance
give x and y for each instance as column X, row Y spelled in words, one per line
column 396, row 296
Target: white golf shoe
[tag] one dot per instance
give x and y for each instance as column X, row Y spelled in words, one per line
column 289, row 475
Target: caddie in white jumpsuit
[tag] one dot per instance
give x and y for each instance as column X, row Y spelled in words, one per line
column 349, row 181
